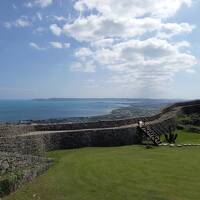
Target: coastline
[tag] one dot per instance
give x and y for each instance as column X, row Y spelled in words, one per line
column 113, row 109
column 122, row 112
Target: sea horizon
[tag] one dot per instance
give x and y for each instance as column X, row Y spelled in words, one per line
column 16, row 110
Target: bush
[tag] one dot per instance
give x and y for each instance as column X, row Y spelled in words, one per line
column 171, row 137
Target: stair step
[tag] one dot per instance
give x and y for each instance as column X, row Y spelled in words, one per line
column 151, row 134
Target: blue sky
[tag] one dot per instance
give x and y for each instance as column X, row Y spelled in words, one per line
column 92, row 48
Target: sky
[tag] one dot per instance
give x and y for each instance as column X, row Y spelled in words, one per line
column 99, row 48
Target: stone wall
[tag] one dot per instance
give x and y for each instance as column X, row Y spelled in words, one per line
column 194, row 103
column 10, row 162
column 92, row 125
column 20, row 158
column 21, row 152
column 6, row 130
column 98, row 137
column 22, row 145
column 10, row 130
column 21, row 129
column 16, row 169
column 101, row 133
column 191, row 109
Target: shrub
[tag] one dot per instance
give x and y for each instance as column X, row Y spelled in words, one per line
column 171, row 137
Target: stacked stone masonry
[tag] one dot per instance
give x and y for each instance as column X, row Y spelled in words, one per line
column 22, row 146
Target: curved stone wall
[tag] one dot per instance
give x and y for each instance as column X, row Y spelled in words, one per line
column 191, row 109
column 114, row 123
column 97, row 137
column 21, row 129
column 19, row 143
column 102, row 133
column 93, row 125
column 9, row 129
column 16, row 169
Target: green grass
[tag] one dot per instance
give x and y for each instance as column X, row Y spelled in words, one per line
column 119, row 173
column 188, row 137
column 185, row 136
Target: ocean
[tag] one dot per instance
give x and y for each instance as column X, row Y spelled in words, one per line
column 43, row 109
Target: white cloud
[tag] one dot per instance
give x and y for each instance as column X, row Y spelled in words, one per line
column 59, row 18
column 39, row 16
column 44, row 3
column 83, row 52
column 21, row 22
column 102, row 43
column 28, row 4
column 66, row 45
column 14, row 6
column 59, row 45
column 40, row 3
column 55, row 29
column 39, row 30
column 171, row 29
column 56, row 45
column 132, row 39
column 150, row 62
column 126, row 19
column 35, row 46
column 87, row 67
column 95, row 27
column 132, row 8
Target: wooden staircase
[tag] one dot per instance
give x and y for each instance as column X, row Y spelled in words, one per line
column 151, row 134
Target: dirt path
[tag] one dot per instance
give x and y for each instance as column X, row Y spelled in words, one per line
column 164, row 117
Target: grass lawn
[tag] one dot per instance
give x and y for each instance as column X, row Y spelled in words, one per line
column 187, row 137
column 120, row 173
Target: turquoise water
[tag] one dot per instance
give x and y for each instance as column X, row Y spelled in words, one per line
column 16, row 110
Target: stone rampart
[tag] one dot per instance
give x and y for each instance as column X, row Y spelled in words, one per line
column 10, row 162
column 21, row 129
column 191, row 109
column 106, row 137
column 16, row 169
column 21, row 146
column 10, row 130
column 74, row 135
column 93, row 125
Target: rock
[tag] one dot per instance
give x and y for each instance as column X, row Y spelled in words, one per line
column 4, row 165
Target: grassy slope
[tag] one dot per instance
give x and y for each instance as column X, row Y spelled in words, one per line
column 187, row 137
column 119, row 173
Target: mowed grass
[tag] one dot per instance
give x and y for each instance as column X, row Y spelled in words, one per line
column 188, row 137
column 119, row 173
